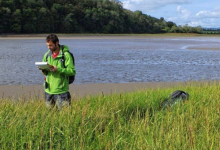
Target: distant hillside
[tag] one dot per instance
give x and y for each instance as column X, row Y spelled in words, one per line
column 79, row 16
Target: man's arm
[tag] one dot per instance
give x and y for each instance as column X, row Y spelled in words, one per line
column 70, row 68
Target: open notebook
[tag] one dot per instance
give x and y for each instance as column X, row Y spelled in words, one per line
column 42, row 65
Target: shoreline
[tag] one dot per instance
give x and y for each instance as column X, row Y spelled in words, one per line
column 105, row 36
column 77, row 91
column 118, row 36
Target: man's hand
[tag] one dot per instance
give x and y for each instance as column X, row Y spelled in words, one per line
column 53, row 68
column 41, row 69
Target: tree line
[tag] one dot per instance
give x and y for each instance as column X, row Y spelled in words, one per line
column 80, row 16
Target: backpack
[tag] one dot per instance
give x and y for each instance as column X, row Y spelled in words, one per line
column 174, row 98
column 71, row 78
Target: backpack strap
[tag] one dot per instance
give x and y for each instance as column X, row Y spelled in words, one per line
column 48, row 54
column 46, row 57
column 63, row 56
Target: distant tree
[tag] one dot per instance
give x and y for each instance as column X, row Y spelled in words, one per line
column 170, row 24
column 180, row 29
column 156, row 27
column 174, row 29
column 186, row 28
column 199, row 29
column 166, row 29
column 28, row 21
column 128, row 21
column 5, row 18
column 79, row 16
column 43, row 19
column 16, row 22
column 162, row 19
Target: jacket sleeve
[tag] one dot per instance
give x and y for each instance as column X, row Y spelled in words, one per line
column 70, row 68
column 44, row 72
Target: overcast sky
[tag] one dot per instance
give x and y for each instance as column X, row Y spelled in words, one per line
column 205, row 13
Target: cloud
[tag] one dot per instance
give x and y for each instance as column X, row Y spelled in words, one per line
column 150, row 5
column 182, row 16
column 209, row 18
column 201, row 18
column 183, row 13
column 208, row 14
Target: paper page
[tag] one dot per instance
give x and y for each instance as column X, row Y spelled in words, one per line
column 42, row 65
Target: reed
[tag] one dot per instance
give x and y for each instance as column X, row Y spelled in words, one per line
column 116, row 121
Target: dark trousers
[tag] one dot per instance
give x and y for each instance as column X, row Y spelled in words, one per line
column 58, row 100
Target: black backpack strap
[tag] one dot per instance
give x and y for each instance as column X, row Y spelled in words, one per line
column 46, row 57
column 63, row 56
column 48, row 54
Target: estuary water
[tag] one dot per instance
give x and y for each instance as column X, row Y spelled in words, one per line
column 116, row 60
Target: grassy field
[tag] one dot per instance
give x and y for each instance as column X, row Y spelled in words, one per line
column 117, row 121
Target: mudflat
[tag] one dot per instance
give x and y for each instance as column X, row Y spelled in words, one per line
column 82, row 90
column 27, row 92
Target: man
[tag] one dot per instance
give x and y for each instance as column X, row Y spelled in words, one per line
column 56, row 80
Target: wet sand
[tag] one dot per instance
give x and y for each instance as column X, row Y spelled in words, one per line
column 82, row 90
column 27, row 92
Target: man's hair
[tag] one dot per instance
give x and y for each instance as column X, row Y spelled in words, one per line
column 53, row 38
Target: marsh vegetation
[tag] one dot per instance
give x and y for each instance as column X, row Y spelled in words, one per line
column 116, row 121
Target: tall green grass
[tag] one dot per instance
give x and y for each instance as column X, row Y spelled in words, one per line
column 117, row 121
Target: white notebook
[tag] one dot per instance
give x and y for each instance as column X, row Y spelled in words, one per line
column 42, row 65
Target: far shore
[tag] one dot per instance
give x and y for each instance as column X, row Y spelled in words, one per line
column 121, row 36
column 105, row 36
column 26, row 92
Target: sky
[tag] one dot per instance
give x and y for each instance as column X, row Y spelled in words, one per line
column 204, row 13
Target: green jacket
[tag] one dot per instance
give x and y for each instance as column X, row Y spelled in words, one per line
column 58, row 81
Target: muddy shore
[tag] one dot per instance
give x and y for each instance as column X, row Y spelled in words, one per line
column 84, row 90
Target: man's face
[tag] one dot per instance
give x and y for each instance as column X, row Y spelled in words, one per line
column 51, row 46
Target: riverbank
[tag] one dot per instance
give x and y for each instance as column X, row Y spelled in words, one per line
column 107, row 36
column 117, row 121
column 83, row 90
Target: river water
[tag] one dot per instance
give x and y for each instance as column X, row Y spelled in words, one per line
column 116, row 60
